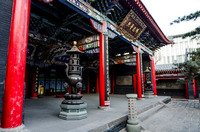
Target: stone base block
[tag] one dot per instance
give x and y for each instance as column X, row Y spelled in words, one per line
column 73, row 112
column 148, row 95
column 133, row 126
column 140, row 99
column 16, row 129
column 104, row 108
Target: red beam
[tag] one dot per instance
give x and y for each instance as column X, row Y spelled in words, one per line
column 139, row 76
column 166, row 78
column 16, row 65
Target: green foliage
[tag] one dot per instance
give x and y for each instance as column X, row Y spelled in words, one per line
column 192, row 67
column 195, row 34
column 192, row 16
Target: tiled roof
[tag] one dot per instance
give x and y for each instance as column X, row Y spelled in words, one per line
column 166, row 67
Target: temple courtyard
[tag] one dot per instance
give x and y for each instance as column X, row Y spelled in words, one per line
column 156, row 114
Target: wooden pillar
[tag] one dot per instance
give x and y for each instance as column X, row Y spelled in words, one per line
column 34, row 85
column 139, row 83
column 104, row 71
column 26, row 80
column 153, row 76
column 113, row 81
column 70, row 90
column 186, row 88
column 194, row 88
column 16, row 65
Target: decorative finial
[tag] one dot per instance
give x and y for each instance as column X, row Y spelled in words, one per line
column 74, row 43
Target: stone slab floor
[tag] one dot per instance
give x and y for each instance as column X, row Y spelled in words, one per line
column 41, row 115
column 176, row 116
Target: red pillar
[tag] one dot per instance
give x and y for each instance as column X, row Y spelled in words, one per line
column 102, row 71
column 97, row 83
column 139, row 75
column 194, row 88
column 113, row 82
column 26, row 78
column 70, row 90
column 186, row 88
column 153, row 76
column 88, row 84
column 16, row 65
column 34, row 94
column 143, row 82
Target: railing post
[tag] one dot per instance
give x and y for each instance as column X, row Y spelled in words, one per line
column 132, row 123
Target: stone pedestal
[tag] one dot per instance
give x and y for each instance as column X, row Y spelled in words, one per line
column 148, row 94
column 199, row 97
column 132, row 123
column 73, row 112
column 16, row 129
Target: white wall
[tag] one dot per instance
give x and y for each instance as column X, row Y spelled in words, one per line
column 175, row 53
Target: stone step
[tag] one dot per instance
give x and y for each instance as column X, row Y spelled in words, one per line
column 142, row 116
column 124, row 130
column 148, row 114
column 145, row 115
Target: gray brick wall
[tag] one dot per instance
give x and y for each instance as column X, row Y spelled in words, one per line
column 5, row 20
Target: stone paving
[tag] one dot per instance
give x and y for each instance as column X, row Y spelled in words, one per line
column 176, row 116
column 41, row 115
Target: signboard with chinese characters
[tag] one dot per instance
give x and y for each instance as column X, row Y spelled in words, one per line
column 88, row 40
column 64, row 59
column 132, row 26
column 107, row 81
column 92, row 51
column 89, row 46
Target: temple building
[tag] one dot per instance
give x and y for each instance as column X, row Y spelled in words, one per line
column 117, row 38
column 167, row 59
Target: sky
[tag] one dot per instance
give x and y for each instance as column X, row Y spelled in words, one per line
column 165, row 11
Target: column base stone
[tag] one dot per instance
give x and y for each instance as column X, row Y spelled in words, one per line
column 148, row 94
column 104, row 108
column 140, row 98
column 73, row 112
column 34, row 97
column 16, row 129
column 133, row 126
